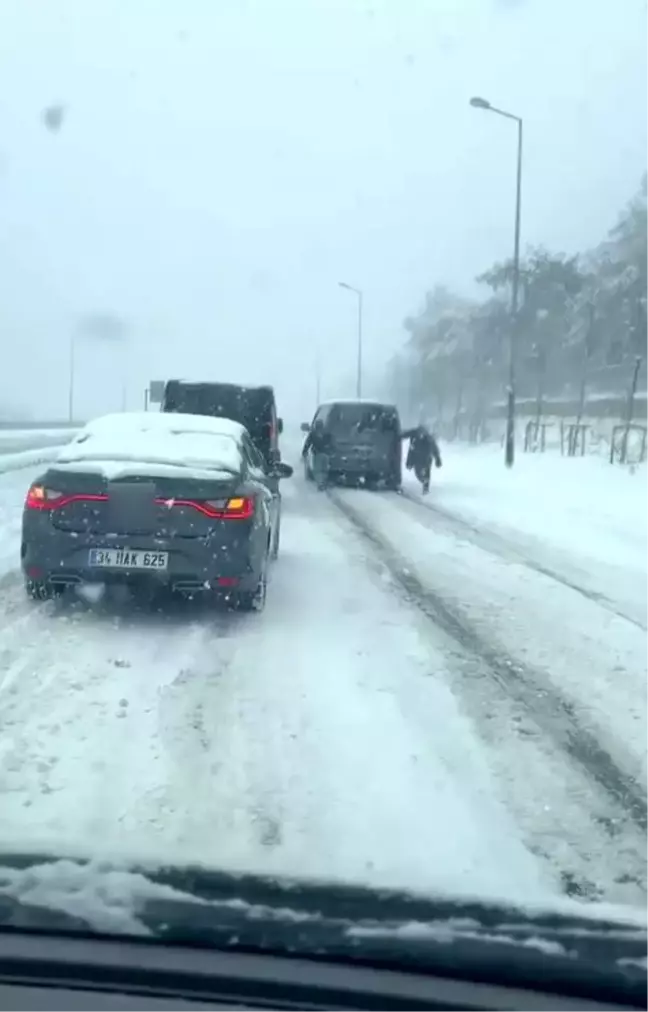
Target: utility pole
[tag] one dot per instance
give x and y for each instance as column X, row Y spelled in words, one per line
column 509, row 457
column 71, row 378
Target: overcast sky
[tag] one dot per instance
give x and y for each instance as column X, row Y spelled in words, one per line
column 224, row 163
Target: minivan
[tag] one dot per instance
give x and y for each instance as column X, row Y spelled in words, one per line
column 365, row 442
column 253, row 407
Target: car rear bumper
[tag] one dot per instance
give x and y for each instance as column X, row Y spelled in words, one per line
column 193, row 564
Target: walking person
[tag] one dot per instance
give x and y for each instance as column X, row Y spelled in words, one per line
column 423, row 449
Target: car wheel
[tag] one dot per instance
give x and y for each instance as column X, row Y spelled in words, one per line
column 394, row 482
column 41, row 590
column 254, row 600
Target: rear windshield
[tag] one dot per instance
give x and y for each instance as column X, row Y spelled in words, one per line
column 252, row 408
column 362, row 418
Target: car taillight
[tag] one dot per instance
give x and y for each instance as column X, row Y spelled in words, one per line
column 234, row 508
column 39, row 497
column 240, row 506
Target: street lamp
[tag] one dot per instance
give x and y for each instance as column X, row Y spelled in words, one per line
column 73, row 338
column 318, row 379
column 357, row 291
column 482, row 103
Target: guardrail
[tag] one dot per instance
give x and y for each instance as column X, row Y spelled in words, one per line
column 21, row 426
column 29, row 444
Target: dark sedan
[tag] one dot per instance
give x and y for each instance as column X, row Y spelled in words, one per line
column 153, row 500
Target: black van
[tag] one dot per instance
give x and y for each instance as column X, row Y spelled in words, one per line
column 253, row 407
column 365, row 441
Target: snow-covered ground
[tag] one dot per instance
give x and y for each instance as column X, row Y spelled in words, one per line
column 416, row 706
column 581, row 518
column 19, row 440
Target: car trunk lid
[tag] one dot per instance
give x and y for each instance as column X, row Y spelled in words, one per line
column 133, row 506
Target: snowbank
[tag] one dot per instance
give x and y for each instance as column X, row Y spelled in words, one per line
column 578, row 506
column 28, row 458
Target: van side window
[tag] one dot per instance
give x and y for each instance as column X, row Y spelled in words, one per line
column 322, row 414
column 389, row 421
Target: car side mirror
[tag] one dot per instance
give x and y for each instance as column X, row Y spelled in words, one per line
column 305, row 427
column 280, row 425
column 281, row 470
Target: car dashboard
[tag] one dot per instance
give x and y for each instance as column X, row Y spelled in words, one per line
column 38, row 971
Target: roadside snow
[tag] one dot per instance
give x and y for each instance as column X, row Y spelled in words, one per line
column 579, row 516
column 594, row 658
column 17, row 442
column 28, row 458
column 579, row 503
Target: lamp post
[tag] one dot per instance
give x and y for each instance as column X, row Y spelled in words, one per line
column 358, row 292
column 73, row 337
column 482, row 103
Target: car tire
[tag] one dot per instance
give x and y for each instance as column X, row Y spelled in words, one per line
column 394, row 482
column 41, row 590
column 255, row 600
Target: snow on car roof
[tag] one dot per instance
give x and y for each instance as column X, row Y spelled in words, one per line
column 159, row 421
column 156, row 444
column 369, row 402
column 220, row 383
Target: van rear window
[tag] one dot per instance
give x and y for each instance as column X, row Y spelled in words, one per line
column 362, row 417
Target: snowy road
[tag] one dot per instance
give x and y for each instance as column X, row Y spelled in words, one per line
column 410, row 709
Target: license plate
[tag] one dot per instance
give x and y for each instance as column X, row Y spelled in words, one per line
column 127, row 558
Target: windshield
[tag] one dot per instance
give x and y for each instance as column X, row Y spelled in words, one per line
column 403, row 648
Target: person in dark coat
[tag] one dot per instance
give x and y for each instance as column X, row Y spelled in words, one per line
column 423, row 449
column 319, row 441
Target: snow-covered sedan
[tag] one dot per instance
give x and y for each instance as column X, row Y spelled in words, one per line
column 168, row 500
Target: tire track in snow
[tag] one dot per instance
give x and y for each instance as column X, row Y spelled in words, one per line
column 491, row 542
column 527, row 686
column 80, row 757
column 570, row 825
